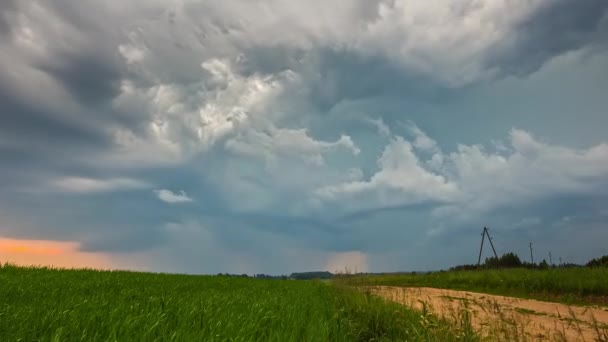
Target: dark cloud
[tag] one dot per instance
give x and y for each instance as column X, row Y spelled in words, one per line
column 549, row 209
column 87, row 76
column 344, row 75
column 36, row 140
column 7, row 10
column 76, row 48
column 25, row 122
column 117, row 221
column 335, row 74
column 129, row 239
column 555, row 28
column 51, row 136
column 341, row 86
column 370, row 213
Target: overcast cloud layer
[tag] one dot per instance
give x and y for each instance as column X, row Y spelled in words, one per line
column 277, row 136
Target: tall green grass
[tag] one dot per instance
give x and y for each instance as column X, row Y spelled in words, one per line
column 569, row 285
column 39, row 304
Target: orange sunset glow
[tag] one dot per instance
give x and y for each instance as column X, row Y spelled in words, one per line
column 65, row 254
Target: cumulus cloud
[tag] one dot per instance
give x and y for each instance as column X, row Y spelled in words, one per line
column 179, row 78
column 473, row 180
column 276, row 143
column 172, row 197
column 401, row 179
column 470, row 30
column 188, row 118
column 531, row 170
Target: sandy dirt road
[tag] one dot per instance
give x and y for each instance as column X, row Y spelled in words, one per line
column 506, row 318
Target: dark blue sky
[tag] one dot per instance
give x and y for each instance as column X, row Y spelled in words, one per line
column 274, row 136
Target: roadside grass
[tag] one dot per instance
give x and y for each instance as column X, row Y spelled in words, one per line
column 42, row 304
column 578, row 286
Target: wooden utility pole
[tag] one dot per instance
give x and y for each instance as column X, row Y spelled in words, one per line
column 483, row 236
column 550, row 259
column 531, row 255
column 491, row 244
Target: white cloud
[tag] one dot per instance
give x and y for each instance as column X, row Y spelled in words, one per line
column 186, row 119
column 131, row 54
column 445, row 41
column 172, row 197
column 383, row 130
column 273, row 143
column 421, row 141
column 448, row 42
column 532, row 170
column 471, row 181
column 188, row 84
column 92, row 185
column 401, row 179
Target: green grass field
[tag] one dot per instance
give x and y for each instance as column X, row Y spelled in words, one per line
column 38, row 304
column 568, row 285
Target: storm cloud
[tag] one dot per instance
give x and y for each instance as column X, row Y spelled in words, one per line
column 238, row 136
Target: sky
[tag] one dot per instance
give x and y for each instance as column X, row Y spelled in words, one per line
column 278, row 136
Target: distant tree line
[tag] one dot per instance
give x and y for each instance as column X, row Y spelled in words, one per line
column 507, row 260
column 598, row 262
column 511, row 260
column 267, row 276
column 295, row 276
column 311, row 275
column 259, row 276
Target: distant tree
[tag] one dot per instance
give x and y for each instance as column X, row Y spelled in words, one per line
column 598, row 262
column 507, row 260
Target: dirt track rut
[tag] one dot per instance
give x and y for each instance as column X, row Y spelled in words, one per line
column 506, row 318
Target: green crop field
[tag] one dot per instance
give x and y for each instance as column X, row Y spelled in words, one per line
column 583, row 285
column 38, row 304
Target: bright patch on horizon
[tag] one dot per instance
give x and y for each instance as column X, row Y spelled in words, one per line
column 347, row 262
column 64, row 254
